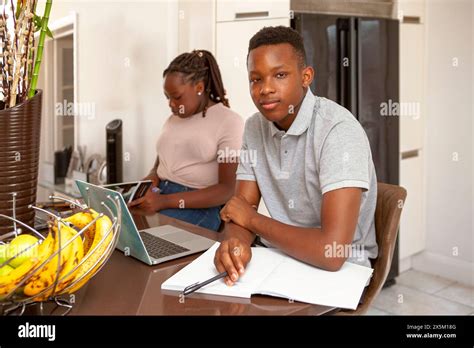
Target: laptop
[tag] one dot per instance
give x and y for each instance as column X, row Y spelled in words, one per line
column 152, row 245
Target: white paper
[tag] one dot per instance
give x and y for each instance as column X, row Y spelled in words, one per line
column 203, row 268
column 271, row 272
column 301, row 282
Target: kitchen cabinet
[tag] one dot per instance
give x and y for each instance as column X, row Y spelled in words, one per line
column 412, row 128
column 412, row 77
column 232, row 10
column 412, row 229
column 411, row 10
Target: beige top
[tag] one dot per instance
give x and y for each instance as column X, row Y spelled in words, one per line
column 190, row 149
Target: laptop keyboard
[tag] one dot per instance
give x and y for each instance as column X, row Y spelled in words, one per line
column 158, row 247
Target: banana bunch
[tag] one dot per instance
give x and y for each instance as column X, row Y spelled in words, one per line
column 58, row 268
column 13, row 279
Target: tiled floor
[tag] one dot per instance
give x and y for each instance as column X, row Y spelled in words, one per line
column 417, row 293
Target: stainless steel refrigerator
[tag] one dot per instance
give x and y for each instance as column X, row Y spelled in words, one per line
column 357, row 65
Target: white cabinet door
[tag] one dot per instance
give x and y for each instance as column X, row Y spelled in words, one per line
column 412, row 226
column 232, row 40
column 411, row 9
column 412, row 78
column 235, row 10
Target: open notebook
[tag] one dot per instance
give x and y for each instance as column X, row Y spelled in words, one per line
column 270, row 272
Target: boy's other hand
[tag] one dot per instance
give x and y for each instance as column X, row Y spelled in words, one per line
column 239, row 211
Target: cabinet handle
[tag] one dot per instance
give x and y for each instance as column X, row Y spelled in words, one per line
column 411, row 19
column 242, row 15
column 409, row 154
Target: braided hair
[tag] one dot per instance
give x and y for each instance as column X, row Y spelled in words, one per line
column 200, row 65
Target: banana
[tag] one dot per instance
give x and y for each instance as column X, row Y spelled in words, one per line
column 16, row 276
column 47, row 275
column 81, row 220
column 103, row 235
column 67, row 275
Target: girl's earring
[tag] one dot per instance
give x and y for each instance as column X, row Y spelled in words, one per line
column 199, row 93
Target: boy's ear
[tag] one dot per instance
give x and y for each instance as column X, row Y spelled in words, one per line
column 307, row 75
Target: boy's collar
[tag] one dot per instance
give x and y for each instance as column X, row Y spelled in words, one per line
column 302, row 119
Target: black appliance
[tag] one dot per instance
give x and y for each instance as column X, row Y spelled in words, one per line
column 114, row 151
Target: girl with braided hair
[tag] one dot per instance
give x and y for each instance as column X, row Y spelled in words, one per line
column 197, row 150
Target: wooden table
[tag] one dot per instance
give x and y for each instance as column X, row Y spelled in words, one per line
column 126, row 286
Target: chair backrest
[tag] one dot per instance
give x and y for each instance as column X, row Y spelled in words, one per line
column 390, row 200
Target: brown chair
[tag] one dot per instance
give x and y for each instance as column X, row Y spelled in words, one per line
column 390, row 199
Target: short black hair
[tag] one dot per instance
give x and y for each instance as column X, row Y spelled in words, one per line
column 279, row 35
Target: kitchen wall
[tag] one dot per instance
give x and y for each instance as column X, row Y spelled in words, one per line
column 123, row 48
column 449, row 145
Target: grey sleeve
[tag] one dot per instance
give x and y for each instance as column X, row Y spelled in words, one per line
column 245, row 170
column 345, row 158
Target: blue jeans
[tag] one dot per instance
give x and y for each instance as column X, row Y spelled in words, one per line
column 206, row 217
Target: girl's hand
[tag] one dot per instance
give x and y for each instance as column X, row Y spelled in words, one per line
column 152, row 202
column 154, row 179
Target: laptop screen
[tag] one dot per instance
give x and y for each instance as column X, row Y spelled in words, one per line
column 129, row 241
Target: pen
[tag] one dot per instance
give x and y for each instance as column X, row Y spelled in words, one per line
column 196, row 286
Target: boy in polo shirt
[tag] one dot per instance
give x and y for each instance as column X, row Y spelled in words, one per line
column 312, row 167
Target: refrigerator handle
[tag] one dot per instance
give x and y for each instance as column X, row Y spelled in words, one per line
column 348, row 65
column 354, row 67
column 342, row 25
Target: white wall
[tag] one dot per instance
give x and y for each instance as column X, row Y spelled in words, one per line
column 449, row 130
column 123, row 48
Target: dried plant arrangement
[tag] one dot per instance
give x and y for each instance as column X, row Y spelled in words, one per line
column 20, row 59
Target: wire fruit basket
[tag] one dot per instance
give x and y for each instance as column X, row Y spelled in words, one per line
column 60, row 263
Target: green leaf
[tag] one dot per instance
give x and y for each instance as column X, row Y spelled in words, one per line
column 49, row 33
column 38, row 23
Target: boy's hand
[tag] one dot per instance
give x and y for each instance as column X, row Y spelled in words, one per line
column 239, row 211
column 232, row 256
